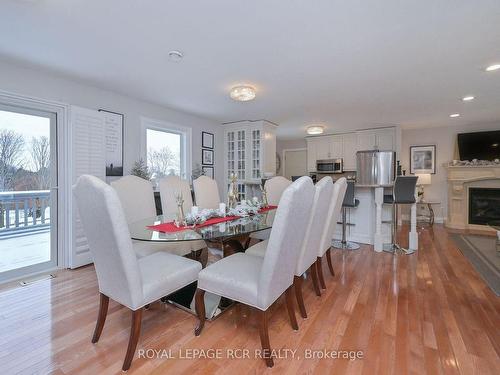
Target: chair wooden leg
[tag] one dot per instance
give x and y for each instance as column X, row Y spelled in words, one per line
column 320, row 273
column 247, row 243
column 135, row 332
column 203, row 257
column 101, row 317
column 314, row 277
column 264, row 338
column 329, row 259
column 200, row 310
column 297, row 284
column 290, row 308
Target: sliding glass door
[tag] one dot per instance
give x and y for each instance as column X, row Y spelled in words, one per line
column 28, row 191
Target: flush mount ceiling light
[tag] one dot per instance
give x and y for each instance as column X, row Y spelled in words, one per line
column 175, row 56
column 315, row 129
column 455, row 115
column 242, row 93
column 493, row 67
column 468, row 98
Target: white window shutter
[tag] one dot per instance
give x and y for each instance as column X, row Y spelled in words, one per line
column 87, row 129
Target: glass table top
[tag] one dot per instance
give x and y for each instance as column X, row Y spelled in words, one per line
column 220, row 231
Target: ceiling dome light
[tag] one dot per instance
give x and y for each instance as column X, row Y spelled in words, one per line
column 468, row 98
column 315, row 129
column 455, row 115
column 175, row 56
column 242, row 93
column 493, row 67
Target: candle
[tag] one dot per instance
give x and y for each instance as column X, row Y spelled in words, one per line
column 194, row 210
column 222, row 209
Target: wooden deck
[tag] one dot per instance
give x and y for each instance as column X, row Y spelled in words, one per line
column 429, row 313
column 24, row 250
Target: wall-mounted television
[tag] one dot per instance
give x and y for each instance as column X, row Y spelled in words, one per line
column 479, row 145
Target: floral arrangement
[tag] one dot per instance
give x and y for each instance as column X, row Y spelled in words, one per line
column 243, row 209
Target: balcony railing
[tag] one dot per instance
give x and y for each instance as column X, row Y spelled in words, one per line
column 24, row 211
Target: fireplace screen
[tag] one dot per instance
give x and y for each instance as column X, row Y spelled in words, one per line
column 484, row 205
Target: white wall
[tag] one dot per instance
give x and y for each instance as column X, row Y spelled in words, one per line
column 445, row 139
column 287, row 144
column 49, row 86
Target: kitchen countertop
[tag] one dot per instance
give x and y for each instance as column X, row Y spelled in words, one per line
column 375, row 186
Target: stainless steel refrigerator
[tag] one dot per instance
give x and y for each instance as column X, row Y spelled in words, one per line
column 375, row 167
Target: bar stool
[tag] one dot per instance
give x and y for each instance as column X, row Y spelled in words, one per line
column 403, row 192
column 348, row 203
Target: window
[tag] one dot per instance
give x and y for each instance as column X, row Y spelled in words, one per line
column 166, row 149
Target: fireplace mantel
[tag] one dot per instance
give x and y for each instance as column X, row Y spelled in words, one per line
column 460, row 179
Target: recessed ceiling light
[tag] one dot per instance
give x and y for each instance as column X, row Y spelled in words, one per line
column 493, row 67
column 468, row 98
column 175, row 56
column 242, row 93
column 315, row 129
column 455, row 115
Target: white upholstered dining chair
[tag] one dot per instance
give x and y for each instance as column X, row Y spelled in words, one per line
column 122, row 277
column 206, row 192
column 138, row 202
column 274, row 189
column 260, row 281
column 169, row 186
column 337, row 197
column 316, row 227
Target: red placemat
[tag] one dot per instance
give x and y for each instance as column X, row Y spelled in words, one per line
column 268, row 208
column 170, row 226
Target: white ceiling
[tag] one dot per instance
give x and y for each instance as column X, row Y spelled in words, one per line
column 349, row 64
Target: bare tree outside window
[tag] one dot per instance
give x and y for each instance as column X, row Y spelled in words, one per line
column 163, row 162
column 40, row 159
column 11, row 157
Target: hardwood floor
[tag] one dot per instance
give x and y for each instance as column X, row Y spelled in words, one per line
column 426, row 313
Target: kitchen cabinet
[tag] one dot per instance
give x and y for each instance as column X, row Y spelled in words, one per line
column 311, row 154
column 346, row 145
column 323, row 148
column 350, row 143
column 336, row 147
column 377, row 139
column 249, row 153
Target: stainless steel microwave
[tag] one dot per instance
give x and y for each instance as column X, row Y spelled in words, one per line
column 330, row 166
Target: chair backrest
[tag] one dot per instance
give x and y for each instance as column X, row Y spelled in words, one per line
column 349, row 198
column 274, row 188
column 285, row 241
column 206, row 192
column 137, row 197
column 107, row 233
column 318, row 224
column 169, row 187
column 336, row 201
column 404, row 189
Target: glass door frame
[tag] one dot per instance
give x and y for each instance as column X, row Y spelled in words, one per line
column 54, row 243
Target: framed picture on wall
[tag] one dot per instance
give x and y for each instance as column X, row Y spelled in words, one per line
column 208, row 171
column 113, row 139
column 207, row 157
column 423, row 159
column 207, row 140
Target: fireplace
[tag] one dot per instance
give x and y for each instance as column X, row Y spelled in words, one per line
column 484, row 205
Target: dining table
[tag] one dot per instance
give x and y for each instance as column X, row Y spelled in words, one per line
column 229, row 235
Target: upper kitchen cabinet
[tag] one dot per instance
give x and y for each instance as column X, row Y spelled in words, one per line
column 249, row 152
column 377, row 139
column 323, row 148
column 349, row 143
column 346, row 145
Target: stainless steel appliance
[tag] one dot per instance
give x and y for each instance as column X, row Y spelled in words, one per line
column 375, row 167
column 330, row 166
